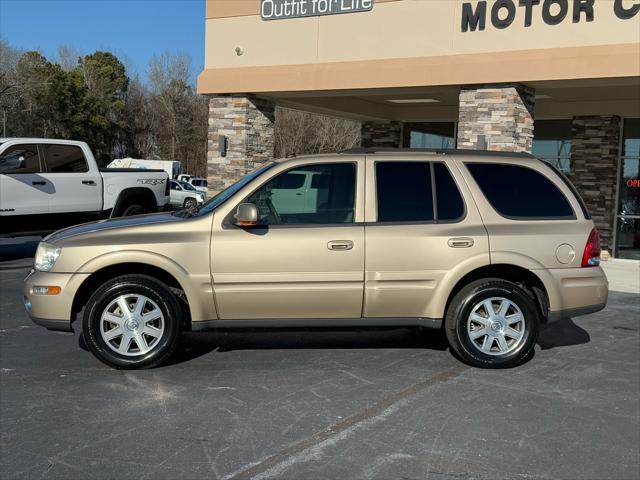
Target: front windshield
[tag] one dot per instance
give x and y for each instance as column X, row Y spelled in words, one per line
column 187, row 186
column 217, row 200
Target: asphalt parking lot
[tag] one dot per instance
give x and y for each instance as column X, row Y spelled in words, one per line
column 322, row 404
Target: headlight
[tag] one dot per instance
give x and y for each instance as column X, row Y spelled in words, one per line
column 46, row 256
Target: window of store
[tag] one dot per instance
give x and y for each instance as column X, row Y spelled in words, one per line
column 552, row 142
column 628, row 213
column 430, row 135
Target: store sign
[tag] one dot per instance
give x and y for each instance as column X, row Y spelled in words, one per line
column 633, row 183
column 502, row 13
column 283, row 9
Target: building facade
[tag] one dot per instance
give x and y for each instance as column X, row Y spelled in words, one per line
column 558, row 78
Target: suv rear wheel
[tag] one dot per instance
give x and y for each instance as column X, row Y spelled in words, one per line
column 492, row 323
column 132, row 321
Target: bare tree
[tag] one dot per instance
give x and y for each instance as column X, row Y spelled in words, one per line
column 178, row 112
column 300, row 133
column 67, row 57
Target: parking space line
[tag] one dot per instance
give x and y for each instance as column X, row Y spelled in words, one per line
column 275, row 464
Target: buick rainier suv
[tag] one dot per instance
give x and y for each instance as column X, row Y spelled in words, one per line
column 486, row 246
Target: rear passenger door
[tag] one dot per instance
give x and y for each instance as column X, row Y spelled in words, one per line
column 75, row 187
column 419, row 234
column 23, row 188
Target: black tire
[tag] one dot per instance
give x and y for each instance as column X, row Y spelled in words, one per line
column 190, row 203
column 135, row 209
column 460, row 309
column 155, row 291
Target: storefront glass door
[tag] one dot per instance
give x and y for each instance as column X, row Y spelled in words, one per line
column 628, row 218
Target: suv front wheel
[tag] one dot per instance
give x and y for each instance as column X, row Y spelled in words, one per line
column 132, row 321
column 492, row 323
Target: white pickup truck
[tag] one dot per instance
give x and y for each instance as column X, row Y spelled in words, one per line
column 48, row 184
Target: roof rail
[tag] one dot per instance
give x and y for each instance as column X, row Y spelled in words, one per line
column 438, row 151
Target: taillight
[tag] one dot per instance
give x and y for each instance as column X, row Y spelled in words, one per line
column 591, row 255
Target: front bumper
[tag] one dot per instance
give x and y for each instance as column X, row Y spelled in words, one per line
column 52, row 311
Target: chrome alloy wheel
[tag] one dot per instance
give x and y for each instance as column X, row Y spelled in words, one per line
column 496, row 326
column 132, row 325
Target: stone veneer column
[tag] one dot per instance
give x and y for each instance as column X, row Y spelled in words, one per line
column 594, row 169
column 502, row 113
column 381, row 134
column 248, row 122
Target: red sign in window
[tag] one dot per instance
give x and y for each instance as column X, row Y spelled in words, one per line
column 633, row 183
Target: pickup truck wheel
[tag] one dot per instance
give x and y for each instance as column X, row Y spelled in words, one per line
column 132, row 321
column 492, row 323
column 134, row 209
column 190, row 203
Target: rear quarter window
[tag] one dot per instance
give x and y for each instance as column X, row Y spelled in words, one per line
column 520, row 193
column 450, row 204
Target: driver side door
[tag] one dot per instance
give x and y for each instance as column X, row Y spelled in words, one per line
column 305, row 259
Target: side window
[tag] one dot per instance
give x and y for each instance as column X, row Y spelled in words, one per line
column 199, row 183
column 320, row 181
column 332, row 202
column 175, row 186
column 289, row 181
column 450, row 203
column 65, row 159
column 520, row 192
column 404, row 192
column 20, row 159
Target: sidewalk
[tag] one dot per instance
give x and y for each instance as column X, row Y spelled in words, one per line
column 623, row 275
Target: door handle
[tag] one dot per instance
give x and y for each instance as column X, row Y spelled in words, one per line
column 88, row 182
column 42, row 182
column 340, row 245
column 460, row 242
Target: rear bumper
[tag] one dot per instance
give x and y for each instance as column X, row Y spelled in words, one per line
column 574, row 291
column 52, row 311
column 574, row 312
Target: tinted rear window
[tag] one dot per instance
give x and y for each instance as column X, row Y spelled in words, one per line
column 404, row 192
column 520, row 192
column 450, row 204
column 65, row 159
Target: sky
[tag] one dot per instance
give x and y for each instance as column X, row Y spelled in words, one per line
column 134, row 30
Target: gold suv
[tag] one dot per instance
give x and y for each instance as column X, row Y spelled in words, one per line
column 486, row 245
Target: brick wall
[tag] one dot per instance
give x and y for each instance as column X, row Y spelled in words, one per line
column 594, row 167
column 248, row 123
column 503, row 114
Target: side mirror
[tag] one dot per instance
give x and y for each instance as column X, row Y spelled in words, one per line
column 246, row 215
